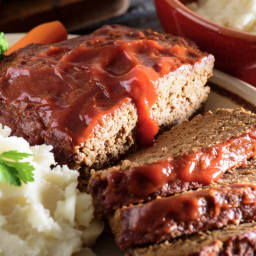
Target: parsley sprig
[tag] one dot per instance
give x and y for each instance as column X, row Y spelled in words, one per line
column 13, row 171
column 3, row 44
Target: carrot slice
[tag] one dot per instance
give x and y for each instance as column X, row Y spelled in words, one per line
column 46, row 33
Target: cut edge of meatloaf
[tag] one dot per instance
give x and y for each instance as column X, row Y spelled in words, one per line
column 230, row 201
column 180, row 94
column 202, row 132
column 231, row 240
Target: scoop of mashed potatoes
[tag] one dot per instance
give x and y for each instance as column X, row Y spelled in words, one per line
column 48, row 216
column 237, row 14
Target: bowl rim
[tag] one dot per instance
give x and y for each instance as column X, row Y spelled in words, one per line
column 182, row 8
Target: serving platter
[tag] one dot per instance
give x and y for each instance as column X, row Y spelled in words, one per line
column 227, row 92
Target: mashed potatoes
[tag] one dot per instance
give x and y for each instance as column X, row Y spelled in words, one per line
column 237, row 14
column 48, row 216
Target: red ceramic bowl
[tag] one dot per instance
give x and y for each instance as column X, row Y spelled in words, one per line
column 235, row 51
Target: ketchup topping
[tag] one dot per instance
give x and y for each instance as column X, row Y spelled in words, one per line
column 203, row 166
column 72, row 86
column 186, row 214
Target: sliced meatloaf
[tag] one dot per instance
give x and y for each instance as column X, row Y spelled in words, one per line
column 192, row 154
column 232, row 240
column 231, row 201
column 93, row 97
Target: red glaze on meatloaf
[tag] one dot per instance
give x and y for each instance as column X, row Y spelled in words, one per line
column 213, row 144
column 239, row 240
column 185, row 214
column 59, row 94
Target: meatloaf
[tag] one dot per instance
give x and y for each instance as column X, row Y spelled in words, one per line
column 94, row 96
column 191, row 155
column 232, row 240
column 230, row 201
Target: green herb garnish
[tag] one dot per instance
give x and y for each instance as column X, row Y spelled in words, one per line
column 3, row 44
column 13, row 171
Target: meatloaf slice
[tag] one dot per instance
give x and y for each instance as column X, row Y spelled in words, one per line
column 192, row 154
column 232, row 240
column 93, row 97
column 231, row 201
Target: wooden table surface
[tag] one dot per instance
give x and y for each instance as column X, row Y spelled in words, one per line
column 22, row 15
column 141, row 14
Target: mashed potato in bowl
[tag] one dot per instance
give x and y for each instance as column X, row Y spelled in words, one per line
column 236, row 14
column 48, row 216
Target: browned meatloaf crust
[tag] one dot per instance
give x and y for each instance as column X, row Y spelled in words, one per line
column 228, row 136
column 229, row 241
column 82, row 95
column 231, row 201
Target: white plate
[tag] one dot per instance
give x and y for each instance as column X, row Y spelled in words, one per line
column 105, row 246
